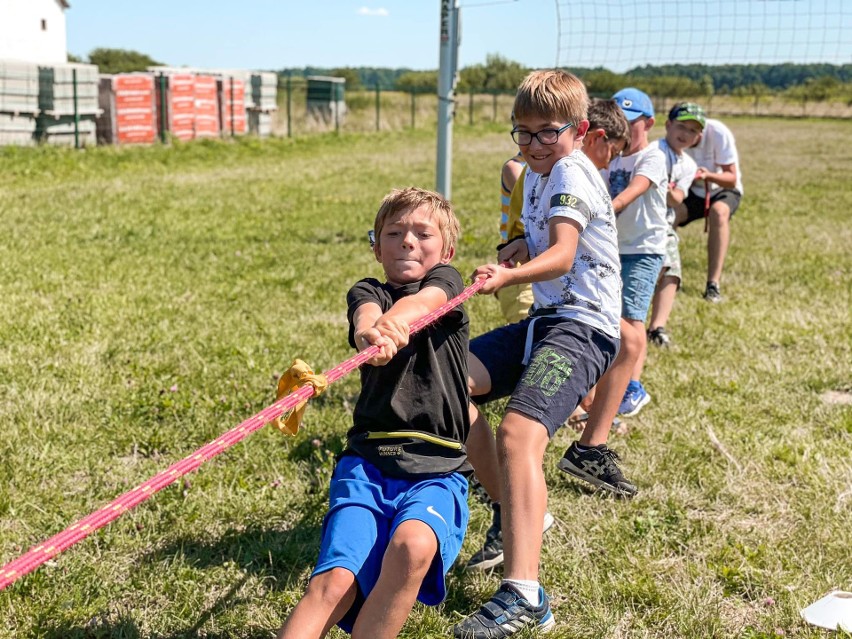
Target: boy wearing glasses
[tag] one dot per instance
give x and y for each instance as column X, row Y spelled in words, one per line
column 608, row 135
column 548, row 362
column 638, row 184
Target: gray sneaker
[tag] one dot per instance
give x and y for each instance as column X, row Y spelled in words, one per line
column 659, row 337
column 492, row 551
column 598, row 466
column 491, row 554
column 712, row 292
column 506, row 614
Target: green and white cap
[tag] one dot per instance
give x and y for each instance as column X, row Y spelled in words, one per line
column 683, row 111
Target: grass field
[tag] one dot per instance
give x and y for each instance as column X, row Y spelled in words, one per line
column 150, row 297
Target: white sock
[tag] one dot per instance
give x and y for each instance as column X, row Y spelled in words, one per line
column 529, row 589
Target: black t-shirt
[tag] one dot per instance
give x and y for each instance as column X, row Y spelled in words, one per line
column 422, row 390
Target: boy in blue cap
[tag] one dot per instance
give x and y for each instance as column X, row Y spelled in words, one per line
column 638, row 184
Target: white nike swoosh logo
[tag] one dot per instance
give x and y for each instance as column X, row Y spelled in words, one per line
column 431, row 510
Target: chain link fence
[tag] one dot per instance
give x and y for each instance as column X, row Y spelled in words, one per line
column 380, row 109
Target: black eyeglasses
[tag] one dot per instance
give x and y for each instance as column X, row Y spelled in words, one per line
column 545, row 136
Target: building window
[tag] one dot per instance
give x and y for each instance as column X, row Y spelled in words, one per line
column 44, row 25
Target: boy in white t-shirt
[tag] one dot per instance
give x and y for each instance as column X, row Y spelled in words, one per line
column 719, row 170
column 638, row 184
column 683, row 129
column 548, row 362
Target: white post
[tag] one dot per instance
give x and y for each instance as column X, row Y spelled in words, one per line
column 446, row 93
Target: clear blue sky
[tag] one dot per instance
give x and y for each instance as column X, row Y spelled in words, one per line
column 619, row 34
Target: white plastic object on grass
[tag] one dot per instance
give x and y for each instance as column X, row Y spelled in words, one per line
column 834, row 611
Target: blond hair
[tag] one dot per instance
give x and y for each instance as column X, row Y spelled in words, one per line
column 411, row 198
column 552, row 94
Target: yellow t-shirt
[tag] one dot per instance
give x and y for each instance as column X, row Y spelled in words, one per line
column 514, row 226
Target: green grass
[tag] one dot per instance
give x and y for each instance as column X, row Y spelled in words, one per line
column 151, row 295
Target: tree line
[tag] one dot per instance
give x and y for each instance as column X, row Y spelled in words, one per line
column 501, row 75
column 497, row 74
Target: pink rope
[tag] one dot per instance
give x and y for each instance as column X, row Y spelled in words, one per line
column 37, row 555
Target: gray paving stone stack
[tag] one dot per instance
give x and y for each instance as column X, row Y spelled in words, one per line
column 264, row 102
column 56, row 103
column 18, row 102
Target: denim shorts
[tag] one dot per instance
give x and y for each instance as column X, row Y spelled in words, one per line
column 566, row 359
column 639, row 275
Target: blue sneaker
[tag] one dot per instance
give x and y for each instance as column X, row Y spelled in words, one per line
column 506, row 613
column 635, row 398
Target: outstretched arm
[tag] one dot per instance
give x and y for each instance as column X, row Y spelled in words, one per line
column 390, row 331
column 555, row 262
column 367, row 335
column 638, row 185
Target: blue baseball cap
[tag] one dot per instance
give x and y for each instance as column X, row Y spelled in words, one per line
column 634, row 103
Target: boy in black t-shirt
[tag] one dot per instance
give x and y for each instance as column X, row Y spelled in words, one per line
column 398, row 501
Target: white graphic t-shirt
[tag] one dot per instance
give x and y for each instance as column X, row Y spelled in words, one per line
column 591, row 291
column 642, row 223
column 681, row 171
column 716, row 148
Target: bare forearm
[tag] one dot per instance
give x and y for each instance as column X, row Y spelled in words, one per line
column 638, row 185
column 726, row 180
column 413, row 307
column 365, row 317
column 674, row 197
column 553, row 263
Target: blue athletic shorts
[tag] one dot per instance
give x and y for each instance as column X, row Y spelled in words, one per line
column 639, row 275
column 566, row 360
column 365, row 507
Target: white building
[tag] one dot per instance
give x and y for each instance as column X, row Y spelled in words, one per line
column 33, row 30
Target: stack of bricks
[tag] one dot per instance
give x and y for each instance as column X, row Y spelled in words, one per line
column 175, row 99
column 232, row 104
column 127, row 104
column 206, row 107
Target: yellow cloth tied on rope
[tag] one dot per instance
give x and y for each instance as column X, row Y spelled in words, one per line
column 293, row 379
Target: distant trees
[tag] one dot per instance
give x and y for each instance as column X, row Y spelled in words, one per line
column 497, row 74
column 603, row 83
column 356, row 77
column 418, row 81
column 120, row 60
column 801, row 82
column 352, row 77
column 820, row 89
column 600, row 82
column 727, row 77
